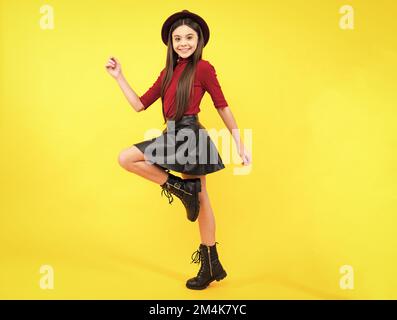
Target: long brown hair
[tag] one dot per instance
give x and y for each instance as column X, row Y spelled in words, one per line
column 185, row 83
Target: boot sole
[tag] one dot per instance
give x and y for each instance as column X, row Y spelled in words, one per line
column 217, row 278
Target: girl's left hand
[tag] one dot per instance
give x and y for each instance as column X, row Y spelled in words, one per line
column 245, row 156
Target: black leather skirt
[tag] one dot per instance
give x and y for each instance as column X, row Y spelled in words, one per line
column 184, row 146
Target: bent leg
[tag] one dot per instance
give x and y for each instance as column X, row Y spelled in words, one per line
column 132, row 159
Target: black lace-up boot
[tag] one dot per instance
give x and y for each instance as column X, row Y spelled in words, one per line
column 186, row 190
column 210, row 269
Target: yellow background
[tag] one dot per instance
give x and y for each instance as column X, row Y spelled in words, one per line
column 322, row 193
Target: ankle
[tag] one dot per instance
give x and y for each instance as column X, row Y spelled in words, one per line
column 209, row 244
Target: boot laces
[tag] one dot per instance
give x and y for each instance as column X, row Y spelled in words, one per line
column 168, row 194
column 196, row 257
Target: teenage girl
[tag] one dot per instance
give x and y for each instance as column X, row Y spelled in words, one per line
column 181, row 86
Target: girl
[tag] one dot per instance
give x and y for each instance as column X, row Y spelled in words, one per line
column 184, row 145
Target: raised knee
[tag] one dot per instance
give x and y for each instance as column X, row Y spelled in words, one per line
column 129, row 157
column 122, row 159
column 125, row 158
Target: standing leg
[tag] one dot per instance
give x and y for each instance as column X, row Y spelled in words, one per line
column 206, row 216
column 211, row 268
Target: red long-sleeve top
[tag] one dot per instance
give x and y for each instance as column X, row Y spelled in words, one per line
column 205, row 79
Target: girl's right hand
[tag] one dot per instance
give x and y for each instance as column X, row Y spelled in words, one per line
column 113, row 67
column 245, row 156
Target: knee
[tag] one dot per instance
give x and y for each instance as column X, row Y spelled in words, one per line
column 130, row 156
column 125, row 158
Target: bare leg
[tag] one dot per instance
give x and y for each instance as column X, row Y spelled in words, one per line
column 132, row 159
column 206, row 216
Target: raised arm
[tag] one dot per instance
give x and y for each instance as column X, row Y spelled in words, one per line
column 114, row 69
column 130, row 94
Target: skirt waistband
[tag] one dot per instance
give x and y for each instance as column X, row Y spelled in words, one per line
column 187, row 120
column 188, row 116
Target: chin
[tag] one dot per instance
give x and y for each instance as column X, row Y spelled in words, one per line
column 185, row 55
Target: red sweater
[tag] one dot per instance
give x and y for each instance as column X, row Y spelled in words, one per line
column 204, row 80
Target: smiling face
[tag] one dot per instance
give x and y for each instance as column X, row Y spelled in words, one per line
column 184, row 41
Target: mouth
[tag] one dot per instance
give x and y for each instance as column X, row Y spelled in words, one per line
column 184, row 50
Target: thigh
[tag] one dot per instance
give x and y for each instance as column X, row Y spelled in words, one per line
column 133, row 154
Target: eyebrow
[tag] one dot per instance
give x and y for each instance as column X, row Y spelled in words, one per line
column 189, row 34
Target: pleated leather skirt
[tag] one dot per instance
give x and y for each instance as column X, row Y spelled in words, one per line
column 184, row 146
